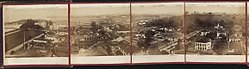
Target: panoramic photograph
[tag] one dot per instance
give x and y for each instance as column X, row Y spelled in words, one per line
column 157, row 28
column 157, row 32
column 100, row 30
column 247, row 31
column 215, row 29
column 100, row 33
column 35, row 31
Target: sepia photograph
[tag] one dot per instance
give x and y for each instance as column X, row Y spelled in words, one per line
column 35, row 34
column 100, row 32
column 215, row 30
column 157, row 29
column 123, row 33
column 247, row 30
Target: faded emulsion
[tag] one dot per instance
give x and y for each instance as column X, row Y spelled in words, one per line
column 100, row 30
column 219, row 30
column 157, row 28
column 30, row 35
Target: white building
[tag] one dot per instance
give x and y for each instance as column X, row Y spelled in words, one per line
column 203, row 44
column 220, row 30
column 204, row 32
column 235, row 38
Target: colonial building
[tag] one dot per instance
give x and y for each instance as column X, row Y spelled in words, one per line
column 220, row 30
column 203, row 44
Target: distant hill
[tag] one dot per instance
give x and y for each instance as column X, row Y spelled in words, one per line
column 198, row 21
column 24, row 20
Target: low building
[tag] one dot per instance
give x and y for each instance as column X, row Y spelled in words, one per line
column 204, row 32
column 235, row 38
column 174, row 36
column 203, row 44
column 93, row 38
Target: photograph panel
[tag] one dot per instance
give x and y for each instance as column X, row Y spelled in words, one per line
column 100, row 30
column 246, row 34
column 157, row 32
column 34, row 32
column 215, row 32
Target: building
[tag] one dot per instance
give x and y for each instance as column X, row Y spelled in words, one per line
column 174, row 36
column 203, row 44
column 220, row 30
column 204, row 32
column 235, row 38
column 93, row 38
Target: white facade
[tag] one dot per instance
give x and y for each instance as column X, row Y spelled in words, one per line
column 203, row 46
column 171, row 39
column 234, row 40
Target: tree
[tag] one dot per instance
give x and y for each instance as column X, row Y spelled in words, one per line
column 212, row 35
column 28, row 24
column 94, row 27
column 148, row 38
column 49, row 23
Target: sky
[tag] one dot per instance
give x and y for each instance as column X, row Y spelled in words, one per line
column 18, row 12
column 136, row 8
column 229, row 8
column 158, row 8
column 99, row 9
